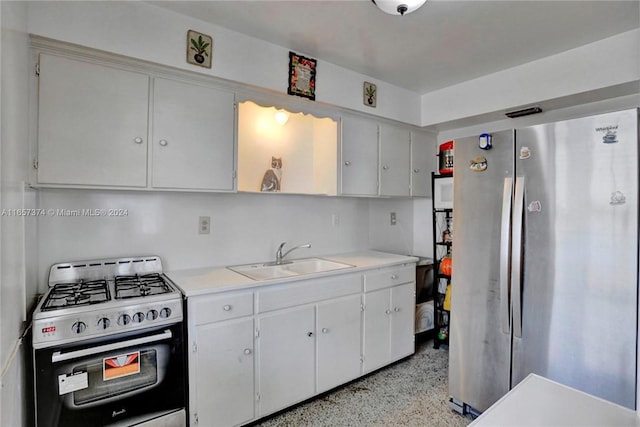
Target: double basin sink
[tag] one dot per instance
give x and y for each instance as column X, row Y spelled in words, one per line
column 292, row 268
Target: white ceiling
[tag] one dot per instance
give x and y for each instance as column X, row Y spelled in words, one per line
column 443, row 43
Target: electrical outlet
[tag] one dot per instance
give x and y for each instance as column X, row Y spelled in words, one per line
column 392, row 218
column 204, row 225
column 335, row 219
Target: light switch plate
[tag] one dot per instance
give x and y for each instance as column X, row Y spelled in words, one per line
column 392, row 218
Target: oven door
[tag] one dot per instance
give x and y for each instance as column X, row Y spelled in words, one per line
column 124, row 380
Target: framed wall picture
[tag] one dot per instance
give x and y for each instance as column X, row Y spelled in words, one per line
column 199, row 49
column 302, row 76
column 369, row 94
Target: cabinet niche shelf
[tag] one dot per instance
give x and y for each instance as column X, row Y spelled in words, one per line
column 442, row 247
column 307, row 146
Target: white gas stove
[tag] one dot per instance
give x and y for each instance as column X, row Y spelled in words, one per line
column 92, row 299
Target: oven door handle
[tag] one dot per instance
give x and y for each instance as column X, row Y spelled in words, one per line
column 61, row 357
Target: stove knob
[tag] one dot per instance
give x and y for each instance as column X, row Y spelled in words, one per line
column 152, row 314
column 165, row 312
column 78, row 327
column 104, row 323
column 138, row 317
column 124, row 319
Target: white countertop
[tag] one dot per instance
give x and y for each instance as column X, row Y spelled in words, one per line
column 208, row 280
column 537, row 401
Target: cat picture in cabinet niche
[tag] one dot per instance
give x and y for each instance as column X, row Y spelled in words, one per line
column 272, row 177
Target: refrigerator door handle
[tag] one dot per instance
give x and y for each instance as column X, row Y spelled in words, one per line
column 516, row 265
column 505, row 243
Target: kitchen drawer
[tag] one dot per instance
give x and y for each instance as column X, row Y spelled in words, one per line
column 307, row 291
column 214, row 308
column 387, row 277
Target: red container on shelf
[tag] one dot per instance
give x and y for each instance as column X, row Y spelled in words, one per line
column 445, row 154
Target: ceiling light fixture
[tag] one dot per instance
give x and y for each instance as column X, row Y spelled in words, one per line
column 398, row 7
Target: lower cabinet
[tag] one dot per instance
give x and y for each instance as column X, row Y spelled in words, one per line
column 222, row 374
column 286, row 361
column 257, row 351
column 389, row 315
column 307, row 350
column 339, row 349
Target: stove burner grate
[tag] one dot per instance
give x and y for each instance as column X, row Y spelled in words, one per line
column 140, row 286
column 77, row 293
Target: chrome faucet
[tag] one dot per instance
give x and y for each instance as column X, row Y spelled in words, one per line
column 280, row 256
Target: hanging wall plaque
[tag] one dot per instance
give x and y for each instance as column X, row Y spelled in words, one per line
column 302, row 76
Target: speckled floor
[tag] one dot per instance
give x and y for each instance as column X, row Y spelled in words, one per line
column 410, row 393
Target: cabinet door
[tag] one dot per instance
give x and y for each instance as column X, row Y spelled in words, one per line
column 423, row 162
column 222, row 377
column 286, row 361
column 403, row 306
column 359, row 157
column 395, row 161
column 339, row 328
column 193, row 136
column 92, row 124
column 377, row 329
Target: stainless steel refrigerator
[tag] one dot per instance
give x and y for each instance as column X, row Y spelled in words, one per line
column 545, row 260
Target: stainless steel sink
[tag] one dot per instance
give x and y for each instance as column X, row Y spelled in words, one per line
column 296, row 267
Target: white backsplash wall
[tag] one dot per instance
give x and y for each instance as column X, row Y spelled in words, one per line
column 383, row 236
column 244, row 227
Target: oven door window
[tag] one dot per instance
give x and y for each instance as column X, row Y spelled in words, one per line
column 119, row 374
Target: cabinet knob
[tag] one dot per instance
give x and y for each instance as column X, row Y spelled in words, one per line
column 325, row 330
column 347, row 163
column 387, row 311
column 164, row 142
column 396, row 309
column 309, row 334
column 227, row 308
column 137, row 140
column 416, row 171
column 385, row 167
column 394, row 276
column 247, row 351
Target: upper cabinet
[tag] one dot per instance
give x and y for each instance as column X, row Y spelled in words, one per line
column 423, row 162
column 395, row 160
column 192, row 137
column 108, row 121
column 381, row 159
column 359, row 157
column 281, row 151
column 98, row 126
column 92, row 124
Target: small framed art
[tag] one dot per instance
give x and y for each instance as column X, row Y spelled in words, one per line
column 302, row 76
column 369, row 94
column 199, row 49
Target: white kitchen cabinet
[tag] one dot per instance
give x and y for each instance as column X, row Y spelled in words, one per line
column 359, row 157
column 98, row 126
column 403, row 307
column 423, row 162
column 192, row 137
column 258, row 350
column 339, row 349
column 92, row 124
column 221, row 354
column 286, row 358
column 222, row 373
column 395, row 160
column 389, row 309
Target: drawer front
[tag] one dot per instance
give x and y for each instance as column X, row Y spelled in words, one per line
column 387, row 277
column 308, row 291
column 214, row 308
